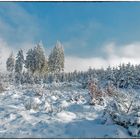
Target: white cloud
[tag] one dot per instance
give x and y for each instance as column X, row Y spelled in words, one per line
column 114, row 56
column 123, row 53
column 4, row 53
column 129, row 50
column 17, row 24
column 82, row 64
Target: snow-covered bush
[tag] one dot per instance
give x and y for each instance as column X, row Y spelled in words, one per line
column 48, row 107
column 32, row 103
column 1, row 87
column 27, row 104
column 38, row 90
column 124, row 110
column 37, row 79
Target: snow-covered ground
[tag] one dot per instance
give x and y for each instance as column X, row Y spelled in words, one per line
column 53, row 111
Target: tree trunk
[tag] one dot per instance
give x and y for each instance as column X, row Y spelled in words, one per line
column 129, row 106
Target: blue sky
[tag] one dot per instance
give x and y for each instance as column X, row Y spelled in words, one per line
column 86, row 29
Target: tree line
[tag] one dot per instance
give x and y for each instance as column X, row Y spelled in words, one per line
column 122, row 76
column 37, row 68
column 36, row 62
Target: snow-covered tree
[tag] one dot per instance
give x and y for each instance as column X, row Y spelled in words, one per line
column 19, row 66
column 56, row 58
column 30, row 61
column 10, row 63
column 19, row 62
column 35, row 59
column 51, row 78
column 39, row 57
column 121, row 76
column 18, row 78
column 137, row 76
column 129, row 76
column 45, row 67
column 29, row 78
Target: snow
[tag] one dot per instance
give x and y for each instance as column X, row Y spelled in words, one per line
column 66, row 116
column 89, row 129
column 54, row 98
column 138, row 114
column 37, row 100
column 64, row 104
column 58, row 114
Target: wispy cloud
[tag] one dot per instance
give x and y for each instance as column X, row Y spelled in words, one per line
column 115, row 54
column 16, row 24
column 82, row 64
column 128, row 50
column 4, row 53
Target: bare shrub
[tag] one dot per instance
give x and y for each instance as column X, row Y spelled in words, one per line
column 110, row 89
column 95, row 93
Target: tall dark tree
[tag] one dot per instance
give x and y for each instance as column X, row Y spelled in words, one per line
column 19, row 62
column 10, row 63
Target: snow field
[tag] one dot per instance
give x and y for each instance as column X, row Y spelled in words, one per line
column 62, row 112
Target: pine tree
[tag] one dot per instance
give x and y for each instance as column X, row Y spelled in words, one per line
column 56, row 59
column 19, row 66
column 121, row 76
column 10, row 63
column 19, row 62
column 35, row 59
column 137, row 76
column 30, row 61
column 39, row 57
column 45, row 67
